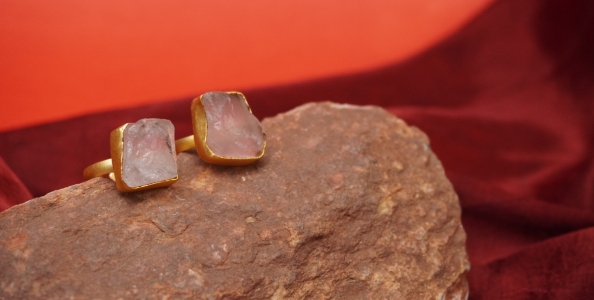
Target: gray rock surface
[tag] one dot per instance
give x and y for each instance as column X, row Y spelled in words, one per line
column 348, row 203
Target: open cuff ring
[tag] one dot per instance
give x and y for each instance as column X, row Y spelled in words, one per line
column 143, row 154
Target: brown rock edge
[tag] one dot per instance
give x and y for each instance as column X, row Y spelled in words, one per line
column 348, row 203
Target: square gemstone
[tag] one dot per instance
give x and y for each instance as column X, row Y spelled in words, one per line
column 232, row 130
column 148, row 152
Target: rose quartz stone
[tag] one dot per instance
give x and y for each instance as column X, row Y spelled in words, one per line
column 233, row 131
column 149, row 152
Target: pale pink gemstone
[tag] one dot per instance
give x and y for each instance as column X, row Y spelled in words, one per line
column 233, row 131
column 149, row 152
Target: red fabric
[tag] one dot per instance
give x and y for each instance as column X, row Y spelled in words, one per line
column 12, row 190
column 508, row 103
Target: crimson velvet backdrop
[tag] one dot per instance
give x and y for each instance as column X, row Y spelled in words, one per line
column 508, row 103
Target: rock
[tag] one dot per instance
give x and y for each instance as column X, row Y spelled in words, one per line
column 348, row 203
column 148, row 152
column 233, row 131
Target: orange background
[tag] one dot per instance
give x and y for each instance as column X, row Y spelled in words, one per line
column 64, row 58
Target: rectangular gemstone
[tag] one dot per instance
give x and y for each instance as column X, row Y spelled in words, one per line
column 232, row 130
column 148, row 152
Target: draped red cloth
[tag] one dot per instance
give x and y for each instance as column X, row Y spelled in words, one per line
column 508, row 103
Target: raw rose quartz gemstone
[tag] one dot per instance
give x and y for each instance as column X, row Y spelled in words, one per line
column 149, row 152
column 232, row 129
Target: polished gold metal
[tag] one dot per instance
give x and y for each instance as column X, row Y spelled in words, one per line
column 98, row 169
column 185, row 144
column 198, row 140
column 113, row 166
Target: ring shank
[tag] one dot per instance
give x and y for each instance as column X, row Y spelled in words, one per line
column 185, row 144
column 99, row 169
column 105, row 167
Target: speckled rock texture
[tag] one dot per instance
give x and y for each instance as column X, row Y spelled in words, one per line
column 348, row 203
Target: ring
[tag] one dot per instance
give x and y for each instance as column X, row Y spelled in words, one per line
column 225, row 130
column 143, row 156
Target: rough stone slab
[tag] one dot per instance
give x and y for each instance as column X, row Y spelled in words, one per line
column 348, row 203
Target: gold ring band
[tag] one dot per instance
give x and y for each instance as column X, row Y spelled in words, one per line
column 99, row 169
column 185, row 144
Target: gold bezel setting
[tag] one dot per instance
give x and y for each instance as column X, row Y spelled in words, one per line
column 117, row 157
column 200, row 126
